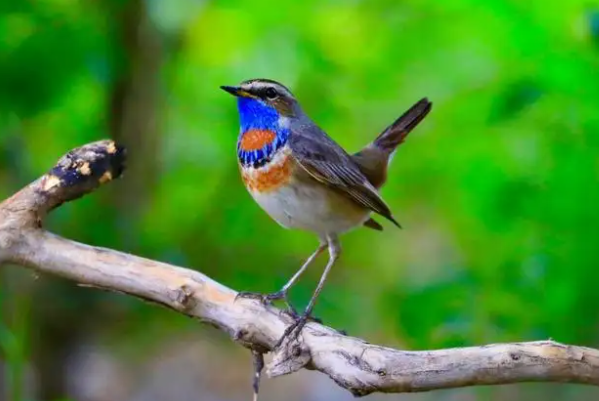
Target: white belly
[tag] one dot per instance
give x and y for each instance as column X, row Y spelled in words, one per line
column 313, row 208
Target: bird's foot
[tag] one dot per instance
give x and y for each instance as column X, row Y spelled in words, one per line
column 291, row 311
column 292, row 332
column 266, row 299
column 299, row 321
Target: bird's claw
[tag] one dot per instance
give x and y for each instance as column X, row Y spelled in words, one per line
column 266, row 299
column 299, row 321
column 291, row 311
column 294, row 329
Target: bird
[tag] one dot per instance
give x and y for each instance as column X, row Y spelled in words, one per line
column 304, row 180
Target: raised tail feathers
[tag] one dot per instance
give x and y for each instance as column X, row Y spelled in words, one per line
column 374, row 158
column 397, row 132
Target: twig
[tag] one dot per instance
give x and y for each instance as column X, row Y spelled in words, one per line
column 258, row 362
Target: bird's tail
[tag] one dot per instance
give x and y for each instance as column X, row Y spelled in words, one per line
column 374, row 158
column 397, row 132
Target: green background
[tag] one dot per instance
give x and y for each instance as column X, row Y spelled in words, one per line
column 497, row 190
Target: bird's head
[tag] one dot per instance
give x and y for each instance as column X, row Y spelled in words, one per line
column 264, row 104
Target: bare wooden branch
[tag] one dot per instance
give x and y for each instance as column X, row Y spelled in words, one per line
column 352, row 363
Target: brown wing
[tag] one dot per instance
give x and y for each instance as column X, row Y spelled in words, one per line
column 328, row 163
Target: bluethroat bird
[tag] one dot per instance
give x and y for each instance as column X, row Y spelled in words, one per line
column 304, row 180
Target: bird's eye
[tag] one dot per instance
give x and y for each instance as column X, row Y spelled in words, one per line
column 271, row 93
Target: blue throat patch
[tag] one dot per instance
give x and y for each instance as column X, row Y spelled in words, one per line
column 255, row 115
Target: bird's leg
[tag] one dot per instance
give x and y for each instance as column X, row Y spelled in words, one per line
column 282, row 293
column 296, row 327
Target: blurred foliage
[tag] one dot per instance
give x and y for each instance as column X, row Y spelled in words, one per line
column 497, row 189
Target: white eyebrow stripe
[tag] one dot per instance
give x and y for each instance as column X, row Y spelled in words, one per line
column 257, row 85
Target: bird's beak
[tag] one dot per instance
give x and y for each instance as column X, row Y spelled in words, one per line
column 236, row 91
column 233, row 90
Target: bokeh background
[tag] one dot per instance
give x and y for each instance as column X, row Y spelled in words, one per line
column 497, row 189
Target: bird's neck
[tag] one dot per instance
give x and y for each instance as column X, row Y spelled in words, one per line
column 263, row 132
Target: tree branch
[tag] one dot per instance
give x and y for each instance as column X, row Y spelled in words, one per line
column 352, row 363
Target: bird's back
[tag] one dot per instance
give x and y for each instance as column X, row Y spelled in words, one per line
column 330, row 165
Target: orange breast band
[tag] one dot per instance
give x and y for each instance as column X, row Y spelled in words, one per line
column 270, row 177
column 256, row 139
